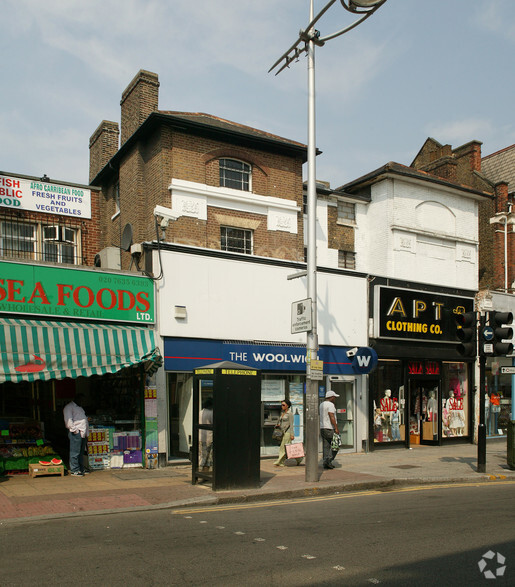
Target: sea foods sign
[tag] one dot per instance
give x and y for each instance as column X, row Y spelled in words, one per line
column 40, row 196
column 75, row 293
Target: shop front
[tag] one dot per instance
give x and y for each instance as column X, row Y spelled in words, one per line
column 65, row 332
column 283, row 376
column 422, row 389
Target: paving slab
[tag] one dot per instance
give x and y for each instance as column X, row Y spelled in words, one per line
column 107, row 491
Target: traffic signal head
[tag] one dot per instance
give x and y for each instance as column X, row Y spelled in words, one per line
column 466, row 332
column 501, row 322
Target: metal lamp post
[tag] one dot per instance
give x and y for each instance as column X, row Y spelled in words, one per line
column 305, row 43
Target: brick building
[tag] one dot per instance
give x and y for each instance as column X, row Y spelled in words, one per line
column 499, row 252
column 48, row 221
column 230, row 186
column 228, row 200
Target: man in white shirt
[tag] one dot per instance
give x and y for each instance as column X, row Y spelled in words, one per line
column 76, row 421
column 328, row 427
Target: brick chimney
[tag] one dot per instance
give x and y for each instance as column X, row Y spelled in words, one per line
column 468, row 157
column 103, row 145
column 138, row 101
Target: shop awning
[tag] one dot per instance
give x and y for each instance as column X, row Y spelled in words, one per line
column 34, row 350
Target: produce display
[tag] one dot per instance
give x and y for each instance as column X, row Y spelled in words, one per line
column 22, row 444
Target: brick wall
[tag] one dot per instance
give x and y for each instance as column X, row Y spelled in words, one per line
column 148, row 167
column 103, row 145
column 139, row 100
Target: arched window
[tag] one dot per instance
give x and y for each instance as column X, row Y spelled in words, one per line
column 235, row 174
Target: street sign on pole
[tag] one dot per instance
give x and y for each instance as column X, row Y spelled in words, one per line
column 301, row 316
column 315, row 370
column 508, row 370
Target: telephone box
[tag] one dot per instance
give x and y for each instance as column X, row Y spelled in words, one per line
column 226, row 426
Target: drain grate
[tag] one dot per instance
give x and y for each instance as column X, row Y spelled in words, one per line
column 405, row 467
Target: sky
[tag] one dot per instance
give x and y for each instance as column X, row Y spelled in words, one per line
column 415, row 69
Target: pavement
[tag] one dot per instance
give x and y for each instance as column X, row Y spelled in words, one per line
column 23, row 498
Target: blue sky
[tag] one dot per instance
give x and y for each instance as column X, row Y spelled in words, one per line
column 417, row 68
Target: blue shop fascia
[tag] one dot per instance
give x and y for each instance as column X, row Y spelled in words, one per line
column 283, row 373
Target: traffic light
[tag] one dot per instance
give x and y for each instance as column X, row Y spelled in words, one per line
column 501, row 322
column 466, row 332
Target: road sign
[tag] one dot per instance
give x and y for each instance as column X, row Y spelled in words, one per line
column 301, row 316
column 488, row 333
column 508, row 370
column 315, row 370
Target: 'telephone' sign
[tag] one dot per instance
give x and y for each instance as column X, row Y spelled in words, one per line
column 75, row 293
column 39, row 196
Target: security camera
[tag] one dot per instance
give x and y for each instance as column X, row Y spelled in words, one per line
column 352, row 352
column 166, row 214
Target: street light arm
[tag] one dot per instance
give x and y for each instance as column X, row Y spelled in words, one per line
column 346, row 29
column 362, row 7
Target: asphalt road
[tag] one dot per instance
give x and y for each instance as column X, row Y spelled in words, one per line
column 414, row 536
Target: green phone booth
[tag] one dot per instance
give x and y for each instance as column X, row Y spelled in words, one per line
column 226, row 425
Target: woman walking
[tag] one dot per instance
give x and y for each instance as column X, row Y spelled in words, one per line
column 286, row 425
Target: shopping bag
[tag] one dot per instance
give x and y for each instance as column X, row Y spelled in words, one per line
column 295, row 451
column 336, row 442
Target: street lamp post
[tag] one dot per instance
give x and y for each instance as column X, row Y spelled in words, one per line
column 305, row 43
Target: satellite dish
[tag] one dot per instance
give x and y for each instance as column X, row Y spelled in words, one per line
column 126, row 237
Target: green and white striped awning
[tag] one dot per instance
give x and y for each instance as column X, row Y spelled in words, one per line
column 32, row 350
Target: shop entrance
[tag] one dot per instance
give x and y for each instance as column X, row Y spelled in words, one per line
column 345, row 412
column 424, row 419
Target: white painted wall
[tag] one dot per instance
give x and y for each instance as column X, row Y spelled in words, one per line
column 239, row 300
column 419, row 232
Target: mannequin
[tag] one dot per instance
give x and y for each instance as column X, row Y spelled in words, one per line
column 396, row 418
column 432, row 412
column 456, row 414
column 386, row 413
column 495, row 408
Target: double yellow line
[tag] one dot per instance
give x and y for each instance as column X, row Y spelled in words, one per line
column 295, row 501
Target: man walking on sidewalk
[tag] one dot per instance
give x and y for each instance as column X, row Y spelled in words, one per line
column 328, row 427
column 76, row 421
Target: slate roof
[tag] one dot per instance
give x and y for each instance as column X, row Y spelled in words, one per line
column 403, row 170
column 500, row 166
column 228, row 125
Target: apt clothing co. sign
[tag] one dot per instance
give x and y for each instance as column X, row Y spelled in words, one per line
column 405, row 314
column 75, row 293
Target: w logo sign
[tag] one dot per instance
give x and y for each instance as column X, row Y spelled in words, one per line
column 364, row 360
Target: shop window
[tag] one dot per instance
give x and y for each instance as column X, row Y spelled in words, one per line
column 236, row 240
column 455, row 400
column 17, row 239
column 498, row 399
column 59, row 244
column 235, row 174
column 389, row 400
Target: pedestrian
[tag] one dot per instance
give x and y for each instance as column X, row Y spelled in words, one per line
column 206, row 436
column 286, row 425
column 76, row 422
column 328, row 428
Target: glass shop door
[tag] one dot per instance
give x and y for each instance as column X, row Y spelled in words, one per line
column 345, row 412
column 424, row 412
